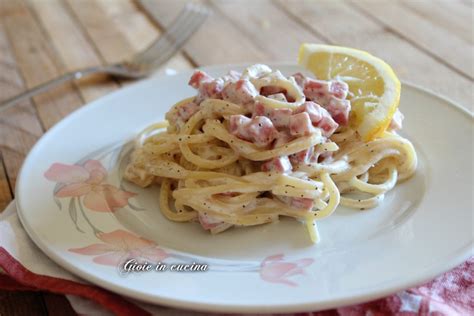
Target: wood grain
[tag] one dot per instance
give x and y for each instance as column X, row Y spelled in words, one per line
column 6, row 194
column 444, row 17
column 218, row 41
column 462, row 10
column 423, row 33
column 118, row 30
column 21, row 304
column 38, row 63
column 270, row 28
column 345, row 26
column 57, row 305
column 72, row 46
column 19, row 126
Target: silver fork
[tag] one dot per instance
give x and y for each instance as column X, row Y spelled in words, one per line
column 140, row 65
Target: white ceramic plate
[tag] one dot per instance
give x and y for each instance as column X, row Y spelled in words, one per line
column 423, row 228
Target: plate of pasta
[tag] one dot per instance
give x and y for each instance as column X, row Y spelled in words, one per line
column 300, row 187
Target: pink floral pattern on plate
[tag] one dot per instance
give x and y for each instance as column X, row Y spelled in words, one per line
column 87, row 181
column 119, row 245
column 84, row 184
column 277, row 270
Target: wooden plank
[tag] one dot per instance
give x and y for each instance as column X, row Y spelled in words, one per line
column 21, row 303
column 38, row 62
column 139, row 31
column 22, row 115
column 269, row 28
column 119, row 29
column 459, row 8
column 130, row 22
column 423, row 33
column 58, row 305
column 72, row 45
column 5, row 193
column 217, row 41
column 348, row 27
column 458, row 25
column 19, row 126
column 109, row 40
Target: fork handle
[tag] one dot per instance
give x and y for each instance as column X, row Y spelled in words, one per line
column 49, row 84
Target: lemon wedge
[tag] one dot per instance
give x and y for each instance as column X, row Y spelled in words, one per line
column 374, row 87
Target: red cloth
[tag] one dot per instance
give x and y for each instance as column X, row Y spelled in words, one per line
column 450, row 294
column 19, row 278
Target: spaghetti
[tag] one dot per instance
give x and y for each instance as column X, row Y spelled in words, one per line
column 252, row 147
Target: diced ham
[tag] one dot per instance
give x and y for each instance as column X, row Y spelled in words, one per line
column 320, row 91
column 280, row 117
column 328, row 125
column 262, row 131
column 186, row 110
column 258, row 130
column 238, row 126
column 208, row 222
column 180, row 114
column 240, row 92
column 396, row 122
column 278, row 164
column 319, row 116
column 338, row 88
column 339, row 110
column 210, row 90
column 198, row 78
column 302, row 157
column 316, row 90
column 260, row 110
column 282, row 138
column 208, row 87
column 331, row 95
column 300, row 124
column 303, row 203
column 314, row 111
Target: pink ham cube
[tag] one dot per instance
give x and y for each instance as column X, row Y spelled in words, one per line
column 240, row 92
column 300, row 124
column 278, row 164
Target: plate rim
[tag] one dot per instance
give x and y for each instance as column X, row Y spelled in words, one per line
column 454, row 259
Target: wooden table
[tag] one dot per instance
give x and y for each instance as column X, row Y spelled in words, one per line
column 429, row 43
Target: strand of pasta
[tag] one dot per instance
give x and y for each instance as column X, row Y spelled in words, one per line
column 252, row 152
column 165, row 209
column 184, row 157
